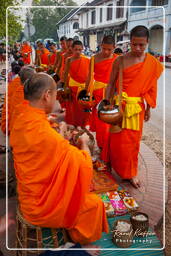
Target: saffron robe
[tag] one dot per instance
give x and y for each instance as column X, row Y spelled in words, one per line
column 44, row 56
column 53, row 179
column 139, row 80
column 52, row 58
column 78, row 72
column 102, row 72
column 26, row 53
column 12, row 87
column 16, row 99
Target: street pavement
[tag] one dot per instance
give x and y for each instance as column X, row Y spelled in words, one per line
column 163, row 104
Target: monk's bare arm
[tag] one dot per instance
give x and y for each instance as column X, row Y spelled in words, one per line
column 59, row 63
column 56, row 60
column 147, row 114
column 110, row 89
column 66, row 72
column 88, row 77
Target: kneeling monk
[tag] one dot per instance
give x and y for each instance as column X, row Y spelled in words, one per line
column 53, row 177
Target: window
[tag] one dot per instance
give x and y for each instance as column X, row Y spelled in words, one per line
column 120, row 11
column 159, row 2
column 75, row 25
column 109, row 12
column 101, row 14
column 138, row 3
column 87, row 19
column 93, row 17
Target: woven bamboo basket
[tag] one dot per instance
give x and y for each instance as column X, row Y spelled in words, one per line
column 141, row 226
column 124, row 239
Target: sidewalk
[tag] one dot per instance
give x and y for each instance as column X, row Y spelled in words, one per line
column 167, row 64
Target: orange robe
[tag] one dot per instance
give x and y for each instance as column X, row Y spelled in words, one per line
column 44, row 56
column 52, row 58
column 102, row 72
column 12, row 87
column 53, row 179
column 139, row 80
column 26, row 49
column 78, row 72
column 16, row 99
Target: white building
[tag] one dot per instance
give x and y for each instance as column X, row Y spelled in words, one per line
column 102, row 20
column 153, row 18
column 68, row 25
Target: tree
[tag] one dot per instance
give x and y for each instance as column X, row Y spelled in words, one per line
column 45, row 19
column 14, row 25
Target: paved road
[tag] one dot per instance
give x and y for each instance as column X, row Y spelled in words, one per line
column 157, row 118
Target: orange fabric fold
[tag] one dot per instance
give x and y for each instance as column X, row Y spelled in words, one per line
column 44, row 56
column 52, row 58
column 53, row 179
column 75, row 113
column 12, row 87
column 102, row 72
column 139, row 80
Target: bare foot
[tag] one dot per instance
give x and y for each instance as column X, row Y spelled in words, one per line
column 135, row 182
column 92, row 252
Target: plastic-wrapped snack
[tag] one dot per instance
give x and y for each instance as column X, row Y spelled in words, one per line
column 109, row 209
column 113, row 195
column 123, row 193
column 119, row 207
column 104, row 197
column 130, row 203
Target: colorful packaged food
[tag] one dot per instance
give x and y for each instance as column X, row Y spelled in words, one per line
column 119, row 207
column 113, row 195
column 130, row 203
column 109, row 209
column 105, row 197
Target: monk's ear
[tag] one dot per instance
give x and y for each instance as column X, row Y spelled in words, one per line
column 46, row 95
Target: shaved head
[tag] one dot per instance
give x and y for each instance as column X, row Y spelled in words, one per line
column 37, row 85
column 26, row 73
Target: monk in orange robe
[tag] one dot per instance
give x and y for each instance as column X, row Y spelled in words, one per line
column 139, row 92
column 53, row 190
column 43, row 55
column 76, row 72
column 67, row 54
column 15, row 97
column 67, row 104
column 18, row 96
column 102, row 68
column 12, row 86
column 26, row 51
column 52, row 56
column 58, row 61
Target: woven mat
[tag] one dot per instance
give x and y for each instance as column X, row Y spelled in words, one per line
column 106, row 242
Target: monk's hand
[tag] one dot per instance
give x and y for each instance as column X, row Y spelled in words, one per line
column 84, row 139
column 63, row 128
column 147, row 115
column 52, row 118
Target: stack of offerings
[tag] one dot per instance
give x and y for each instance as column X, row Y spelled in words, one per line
column 114, row 206
column 118, row 203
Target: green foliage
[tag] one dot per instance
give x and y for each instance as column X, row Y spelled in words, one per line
column 14, row 26
column 45, row 19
